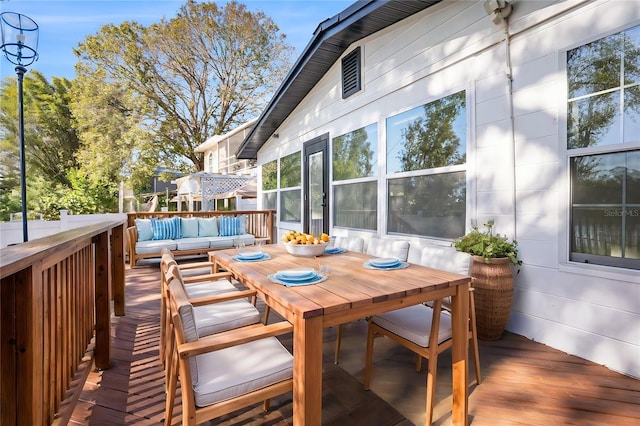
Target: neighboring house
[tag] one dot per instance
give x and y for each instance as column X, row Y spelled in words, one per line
column 226, row 182
column 416, row 119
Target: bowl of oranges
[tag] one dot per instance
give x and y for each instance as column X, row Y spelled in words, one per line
column 305, row 245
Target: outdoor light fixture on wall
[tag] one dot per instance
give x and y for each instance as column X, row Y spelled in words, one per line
column 20, row 47
column 499, row 10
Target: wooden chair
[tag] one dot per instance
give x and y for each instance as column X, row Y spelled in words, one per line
column 425, row 330
column 379, row 247
column 224, row 372
column 200, row 282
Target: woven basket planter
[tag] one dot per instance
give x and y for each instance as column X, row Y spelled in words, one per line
column 493, row 284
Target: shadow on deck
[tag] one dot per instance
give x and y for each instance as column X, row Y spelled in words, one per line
column 524, row 382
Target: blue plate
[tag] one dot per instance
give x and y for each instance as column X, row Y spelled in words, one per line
column 334, row 250
column 239, row 258
column 400, row 265
column 316, row 278
column 293, row 275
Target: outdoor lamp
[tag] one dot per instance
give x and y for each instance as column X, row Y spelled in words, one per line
column 20, row 47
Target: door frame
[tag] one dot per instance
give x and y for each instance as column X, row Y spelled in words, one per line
column 314, row 146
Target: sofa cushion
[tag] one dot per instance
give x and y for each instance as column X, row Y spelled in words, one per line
column 229, row 226
column 241, row 369
column 188, row 227
column 192, row 243
column 166, row 229
column 154, row 246
column 207, row 227
column 229, row 242
column 145, row 232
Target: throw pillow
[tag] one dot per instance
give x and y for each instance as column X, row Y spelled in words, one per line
column 207, row 227
column 229, row 226
column 242, row 224
column 166, row 229
column 145, row 232
column 189, row 227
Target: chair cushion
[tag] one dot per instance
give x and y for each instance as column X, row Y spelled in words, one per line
column 446, row 258
column 154, row 246
column 209, row 288
column 217, row 317
column 350, row 243
column 229, row 242
column 384, row 247
column 188, row 227
column 241, row 369
column 414, row 324
column 192, row 243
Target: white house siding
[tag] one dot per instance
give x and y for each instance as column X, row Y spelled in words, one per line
column 586, row 310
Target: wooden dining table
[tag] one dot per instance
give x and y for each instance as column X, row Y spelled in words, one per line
column 350, row 292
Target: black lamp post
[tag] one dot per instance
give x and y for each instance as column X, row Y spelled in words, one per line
column 20, row 47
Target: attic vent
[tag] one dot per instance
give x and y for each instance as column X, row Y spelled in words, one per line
column 351, row 73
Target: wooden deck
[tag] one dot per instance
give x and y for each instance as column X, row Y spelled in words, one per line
column 524, row 382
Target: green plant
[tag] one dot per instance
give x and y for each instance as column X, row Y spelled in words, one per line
column 488, row 245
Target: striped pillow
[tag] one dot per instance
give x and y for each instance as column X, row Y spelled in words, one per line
column 166, row 229
column 229, row 226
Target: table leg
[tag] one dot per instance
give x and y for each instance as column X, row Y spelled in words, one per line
column 460, row 354
column 307, row 371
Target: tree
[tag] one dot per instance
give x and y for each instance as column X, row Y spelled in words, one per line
column 198, row 74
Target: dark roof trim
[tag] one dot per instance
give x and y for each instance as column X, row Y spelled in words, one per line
column 332, row 37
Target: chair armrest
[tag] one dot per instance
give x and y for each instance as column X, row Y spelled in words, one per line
column 196, row 265
column 222, row 297
column 234, row 337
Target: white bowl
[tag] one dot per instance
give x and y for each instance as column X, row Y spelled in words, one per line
column 305, row 250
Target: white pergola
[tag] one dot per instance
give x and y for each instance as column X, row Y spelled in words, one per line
column 207, row 187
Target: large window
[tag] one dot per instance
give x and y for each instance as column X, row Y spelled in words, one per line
column 355, row 194
column 290, row 188
column 603, row 114
column 426, row 149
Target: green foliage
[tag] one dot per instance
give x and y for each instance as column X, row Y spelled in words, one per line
column 354, row 154
column 488, row 245
column 148, row 96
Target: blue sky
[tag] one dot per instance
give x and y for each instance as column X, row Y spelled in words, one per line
column 63, row 24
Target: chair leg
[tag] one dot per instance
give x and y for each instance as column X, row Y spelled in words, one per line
column 171, row 384
column 336, row 355
column 474, row 337
column 418, row 362
column 267, row 311
column 432, row 370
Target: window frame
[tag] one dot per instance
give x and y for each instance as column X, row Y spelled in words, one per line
column 566, row 256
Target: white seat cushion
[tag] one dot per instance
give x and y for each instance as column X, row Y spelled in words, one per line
column 350, row 243
column 241, row 369
column 446, row 258
column 384, row 247
column 229, row 242
column 192, row 243
column 218, row 317
column 154, row 246
column 414, row 324
column 208, row 288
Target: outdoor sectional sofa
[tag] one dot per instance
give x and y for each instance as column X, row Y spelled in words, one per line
column 184, row 234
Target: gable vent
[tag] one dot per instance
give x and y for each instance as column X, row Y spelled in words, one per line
column 351, row 73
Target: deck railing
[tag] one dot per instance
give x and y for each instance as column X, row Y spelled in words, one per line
column 55, row 294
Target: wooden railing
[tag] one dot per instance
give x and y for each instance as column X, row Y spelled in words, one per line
column 55, row 294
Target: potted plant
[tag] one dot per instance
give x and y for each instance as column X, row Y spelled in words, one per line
column 493, row 256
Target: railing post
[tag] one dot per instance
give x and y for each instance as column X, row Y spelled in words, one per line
column 117, row 259
column 102, row 301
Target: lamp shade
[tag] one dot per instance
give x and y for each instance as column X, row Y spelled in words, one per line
column 19, row 38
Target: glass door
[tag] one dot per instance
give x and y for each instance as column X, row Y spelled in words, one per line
column 316, row 185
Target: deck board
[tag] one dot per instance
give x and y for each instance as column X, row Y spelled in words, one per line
column 524, row 382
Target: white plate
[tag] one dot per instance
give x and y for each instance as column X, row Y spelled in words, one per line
column 296, row 274
column 250, row 255
column 384, row 262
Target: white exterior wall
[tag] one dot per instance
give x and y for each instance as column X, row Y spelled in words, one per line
column 586, row 310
